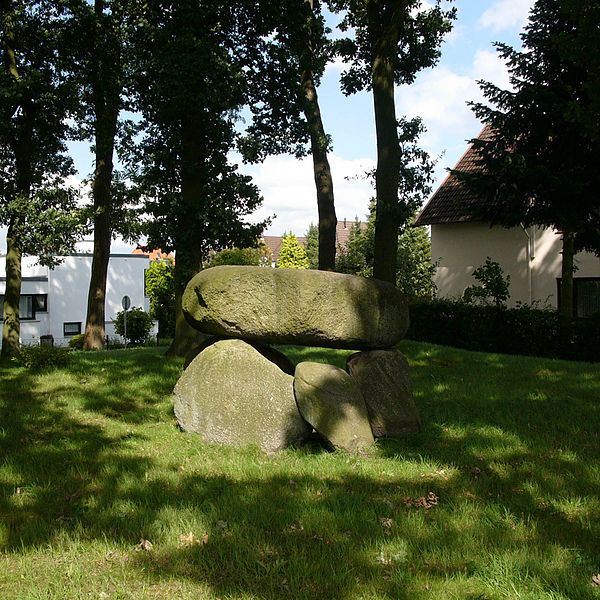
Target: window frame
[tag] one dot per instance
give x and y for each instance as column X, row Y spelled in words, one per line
column 76, row 323
column 576, row 282
column 34, row 311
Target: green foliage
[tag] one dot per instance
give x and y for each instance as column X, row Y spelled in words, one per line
column 391, row 42
column 494, row 285
column 160, row 289
column 139, row 324
column 76, row 342
column 415, row 270
column 541, row 168
column 312, row 246
column 238, row 256
column 291, row 253
column 357, row 257
column 492, row 328
column 43, row 357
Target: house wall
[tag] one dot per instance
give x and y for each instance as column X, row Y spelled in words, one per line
column 533, row 263
column 67, row 288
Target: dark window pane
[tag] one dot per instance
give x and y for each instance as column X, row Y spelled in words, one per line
column 72, row 328
column 26, row 307
column 40, row 303
column 588, row 297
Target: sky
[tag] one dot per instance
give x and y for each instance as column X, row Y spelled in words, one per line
column 439, row 96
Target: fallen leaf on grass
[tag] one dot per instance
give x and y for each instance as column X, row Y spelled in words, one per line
column 222, row 525
column 425, row 502
column 191, row 540
column 386, row 522
column 596, row 579
column 144, row 545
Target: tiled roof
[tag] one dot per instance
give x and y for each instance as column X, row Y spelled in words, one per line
column 343, row 229
column 153, row 253
column 453, row 201
column 342, row 234
column 274, row 244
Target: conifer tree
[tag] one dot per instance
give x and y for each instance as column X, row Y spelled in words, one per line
column 539, row 166
column 291, row 253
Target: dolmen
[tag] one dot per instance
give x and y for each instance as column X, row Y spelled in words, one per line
column 238, row 390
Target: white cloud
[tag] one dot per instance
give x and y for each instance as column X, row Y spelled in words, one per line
column 505, row 14
column 288, row 188
column 487, row 65
column 336, row 65
column 440, row 96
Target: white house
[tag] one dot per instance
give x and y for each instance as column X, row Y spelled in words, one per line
column 54, row 301
column 531, row 256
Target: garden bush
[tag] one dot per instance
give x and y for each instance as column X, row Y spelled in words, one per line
column 139, row 324
column 37, row 358
column 76, row 342
column 524, row 330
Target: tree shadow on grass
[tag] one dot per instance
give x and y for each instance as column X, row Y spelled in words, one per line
column 503, row 486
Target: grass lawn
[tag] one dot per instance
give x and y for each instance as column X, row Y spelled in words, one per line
column 498, row 497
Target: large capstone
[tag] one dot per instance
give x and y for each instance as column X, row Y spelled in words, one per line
column 231, row 394
column 382, row 376
column 296, row 306
column 331, row 402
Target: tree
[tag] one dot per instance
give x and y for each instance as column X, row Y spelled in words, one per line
column 539, row 159
column 312, row 246
column 414, row 271
column 99, row 67
column 253, row 257
column 291, row 253
column 160, row 289
column 285, row 105
column 195, row 197
column 392, row 42
column 494, row 285
column 36, row 101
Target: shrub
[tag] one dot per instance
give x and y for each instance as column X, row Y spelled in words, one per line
column 239, row 256
column 494, row 285
column 139, row 324
column 522, row 330
column 292, row 254
column 38, row 358
column 76, row 342
column 160, row 288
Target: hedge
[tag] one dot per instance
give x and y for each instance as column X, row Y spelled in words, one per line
column 523, row 330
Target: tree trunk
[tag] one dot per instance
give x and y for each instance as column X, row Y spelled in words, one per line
column 318, row 140
column 322, row 173
column 22, row 145
column 188, row 246
column 11, row 329
column 186, row 337
column 101, row 190
column 384, row 38
column 566, row 311
column 106, row 99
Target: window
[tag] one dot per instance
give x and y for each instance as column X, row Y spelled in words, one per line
column 29, row 305
column 73, row 328
column 586, row 295
column 40, row 303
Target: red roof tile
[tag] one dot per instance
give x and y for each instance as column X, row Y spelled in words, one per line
column 453, row 201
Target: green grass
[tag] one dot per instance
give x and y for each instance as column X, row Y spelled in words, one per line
column 91, row 462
